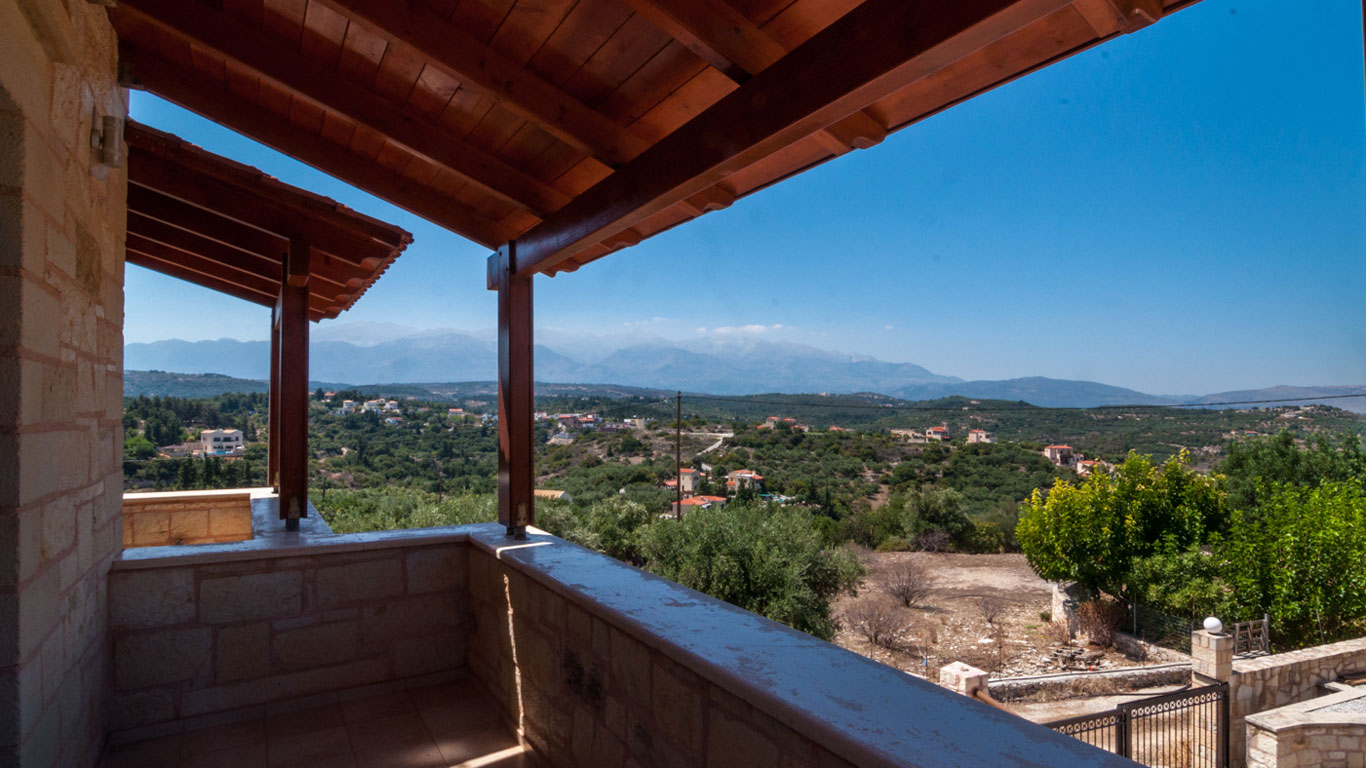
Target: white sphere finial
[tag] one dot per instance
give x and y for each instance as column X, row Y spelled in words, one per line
column 1214, row 625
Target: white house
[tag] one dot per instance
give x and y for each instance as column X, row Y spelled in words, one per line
column 937, row 433
column 220, row 442
column 1061, row 455
column 980, row 436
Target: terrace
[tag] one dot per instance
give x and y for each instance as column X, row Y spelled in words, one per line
column 555, row 138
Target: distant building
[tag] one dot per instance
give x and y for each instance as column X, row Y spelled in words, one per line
column 834, row 428
column 700, row 502
column 561, row 438
column 455, row 411
column 744, row 478
column 546, row 493
column 220, row 442
column 688, row 476
column 347, row 406
column 911, row 435
column 1086, row 466
column 980, row 436
column 1061, row 455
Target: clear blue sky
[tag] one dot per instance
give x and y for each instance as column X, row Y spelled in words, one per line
column 1182, row 210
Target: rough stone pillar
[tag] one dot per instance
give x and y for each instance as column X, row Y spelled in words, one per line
column 1211, row 662
column 962, row 678
column 1212, row 656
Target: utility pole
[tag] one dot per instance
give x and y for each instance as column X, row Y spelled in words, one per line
column 678, row 456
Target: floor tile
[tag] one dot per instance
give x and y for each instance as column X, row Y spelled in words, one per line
column 465, row 744
column 151, row 753
column 300, row 748
column 220, row 737
column 370, row 708
column 244, row 756
column 303, row 721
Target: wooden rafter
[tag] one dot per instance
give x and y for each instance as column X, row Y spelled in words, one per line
column 880, row 47
column 724, row 38
column 467, row 59
column 172, row 83
column 302, row 77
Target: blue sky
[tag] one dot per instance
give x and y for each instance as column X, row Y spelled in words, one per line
column 1182, row 210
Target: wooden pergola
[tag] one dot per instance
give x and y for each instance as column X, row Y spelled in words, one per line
column 558, row 131
column 231, row 228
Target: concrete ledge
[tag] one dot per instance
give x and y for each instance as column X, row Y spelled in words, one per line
column 857, row 709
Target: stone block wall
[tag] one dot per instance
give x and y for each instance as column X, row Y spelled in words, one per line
column 199, row 517
column 62, row 219
column 200, row 638
column 1269, row 682
column 1329, row 731
column 590, row 693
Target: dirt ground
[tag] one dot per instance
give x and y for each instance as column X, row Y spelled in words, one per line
column 951, row 623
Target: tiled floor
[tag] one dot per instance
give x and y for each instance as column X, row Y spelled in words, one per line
column 441, row 726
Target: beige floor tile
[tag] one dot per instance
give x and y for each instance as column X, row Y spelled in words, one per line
column 301, row 748
column 220, row 737
column 370, row 708
column 150, row 753
column 244, row 756
column 464, row 744
column 303, row 721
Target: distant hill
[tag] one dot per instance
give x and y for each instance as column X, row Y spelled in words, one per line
column 152, row 383
column 712, row 366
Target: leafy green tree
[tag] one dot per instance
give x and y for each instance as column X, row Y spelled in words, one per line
column 1094, row 532
column 1253, row 468
column 1302, row 559
column 135, row 446
column 766, row 559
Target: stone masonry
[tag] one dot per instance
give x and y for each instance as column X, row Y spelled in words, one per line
column 1270, row 682
column 196, row 517
column 1329, row 731
column 595, row 696
column 61, row 347
column 200, row 638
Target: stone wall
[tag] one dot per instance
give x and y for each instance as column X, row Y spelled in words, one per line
column 199, row 635
column 604, row 666
column 193, row 517
column 1328, row 731
column 61, row 348
column 1269, row 682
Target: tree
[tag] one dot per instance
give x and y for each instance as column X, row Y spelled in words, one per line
column 135, row 446
column 765, row 559
column 1094, row 532
column 1253, row 468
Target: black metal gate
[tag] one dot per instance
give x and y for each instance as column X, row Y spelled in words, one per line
column 1185, row 729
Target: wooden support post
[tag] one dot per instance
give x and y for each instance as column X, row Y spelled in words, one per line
column 516, row 449
column 273, row 412
column 293, row 386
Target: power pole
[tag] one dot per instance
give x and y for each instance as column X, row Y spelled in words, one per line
column 678, row 456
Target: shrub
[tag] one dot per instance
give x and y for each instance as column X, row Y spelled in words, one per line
column 907, row 582
column 933, row 541
column 875, row 620
column 895, row 544
column 1098, row 619
column 992, row 608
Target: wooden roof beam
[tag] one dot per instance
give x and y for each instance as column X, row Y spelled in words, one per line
column 207, row 224
column 464, row 57
column 1111, row 17
column 727, row 40
column 163, row 260
column 301, row 76
column 873, row 51
column 173, row 84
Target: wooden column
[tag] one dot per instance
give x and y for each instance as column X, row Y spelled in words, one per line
column 273, row 406
column 293, row 385
column 516, row 449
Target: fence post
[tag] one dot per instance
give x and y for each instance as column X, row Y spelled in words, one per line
column 1122, row 733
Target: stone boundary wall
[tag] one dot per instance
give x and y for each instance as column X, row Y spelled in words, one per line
column 196, row 517
column 1310, row 734
column 1269, row 682
column 1062, row 686
column 606, row 666
column 197, row 636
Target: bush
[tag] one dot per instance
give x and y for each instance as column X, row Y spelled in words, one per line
column 992, row 608
column 1098, row 619
column 765, row 559
column 895, row 544
column 907, row 582
column 875, row 620
column 933, row 541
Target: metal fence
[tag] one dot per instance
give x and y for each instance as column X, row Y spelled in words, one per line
column 1188, row 728
column 1159, row 628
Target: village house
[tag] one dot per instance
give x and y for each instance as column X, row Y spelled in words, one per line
column 220, row 442
column 1061, row 455
column 938, row 434
column 744, row 479
column 980, row 436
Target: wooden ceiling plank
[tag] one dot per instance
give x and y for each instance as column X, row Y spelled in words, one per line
column 154, row 205
column 476, row 65
column 730, row 42
column 325, row 89
column 870, row 53
column 250, row 120
column 199, row 265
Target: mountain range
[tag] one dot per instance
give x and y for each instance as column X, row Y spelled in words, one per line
column 729, row 367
